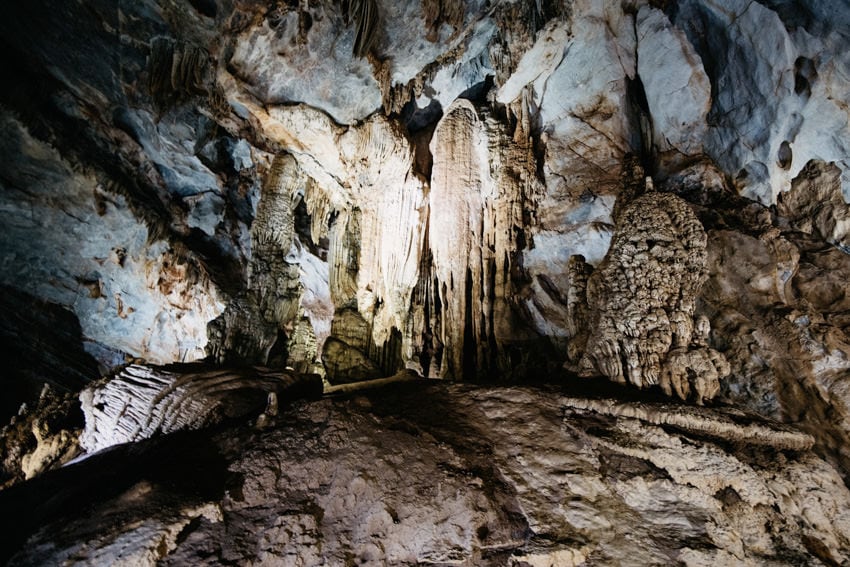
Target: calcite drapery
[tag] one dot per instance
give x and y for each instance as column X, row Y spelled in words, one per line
column 483, row 185
column 143, row 401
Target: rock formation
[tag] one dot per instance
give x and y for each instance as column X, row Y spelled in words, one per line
column 141, row 402
column 651, row 194
column 442, row 473
column 642, row 299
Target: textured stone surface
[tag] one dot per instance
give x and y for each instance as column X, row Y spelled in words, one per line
column 776, row 73
column 678, row 91
column 208, row 98
column 141, row 402
column 816, row 205
column 345, row 363
column 421, row 474
column 441, row 186
column 641, row 301
column 42, row 436
column 69, row 241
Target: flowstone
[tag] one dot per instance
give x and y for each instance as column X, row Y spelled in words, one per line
column 641, row 301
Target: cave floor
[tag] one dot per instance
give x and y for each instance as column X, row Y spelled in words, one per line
column 432, row 473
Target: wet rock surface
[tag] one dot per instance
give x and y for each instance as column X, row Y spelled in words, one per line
column 435, row 474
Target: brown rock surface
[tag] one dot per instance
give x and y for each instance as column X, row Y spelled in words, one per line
column 433, row 474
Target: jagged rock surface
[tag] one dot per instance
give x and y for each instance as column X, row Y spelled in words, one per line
column 816, row 205
column 424, row 474
column 41, row 437
column 208, row 94
column 778, row 314
column 482, row 181
column 70, row 241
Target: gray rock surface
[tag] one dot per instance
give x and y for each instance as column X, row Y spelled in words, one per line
column 427, row 474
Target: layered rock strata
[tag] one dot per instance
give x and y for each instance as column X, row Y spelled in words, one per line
column 141, row 402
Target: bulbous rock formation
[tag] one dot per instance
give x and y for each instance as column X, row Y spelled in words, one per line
column 642, row 298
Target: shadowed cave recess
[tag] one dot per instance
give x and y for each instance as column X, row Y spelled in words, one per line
column 425, row 282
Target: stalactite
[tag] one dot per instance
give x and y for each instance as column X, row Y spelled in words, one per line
column 283, row 285
column 482, row 188
column 365, row 15
column 177, row 69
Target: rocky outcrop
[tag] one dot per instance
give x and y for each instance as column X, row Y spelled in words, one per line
column 773, row 71
column 75, row 243
column 816, row 205
column 41, row 437
column 360, row 125
column 345, row 363
column 423, row 474
column 141, row 402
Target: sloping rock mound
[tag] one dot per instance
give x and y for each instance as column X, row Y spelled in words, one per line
column 424, row 474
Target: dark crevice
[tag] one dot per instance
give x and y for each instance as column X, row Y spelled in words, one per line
column 470, row 348
column 477, row 93
column 417, row 119
column 40, row 342
column 805, row 74
column 639, row 107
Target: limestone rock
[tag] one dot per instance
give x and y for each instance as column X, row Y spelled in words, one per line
column 773, row 89
column 782, row 333
column 345, row 363
column 424, row 473
column 482, row 181
column 677, row 89
column 816, row 205
column 130, row 290
column 642, row 299
column 142, row 401
column 41, row 437
column 301, row 58
column 437, row 188
column 286, row 281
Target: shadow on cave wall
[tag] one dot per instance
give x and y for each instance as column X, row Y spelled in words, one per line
column 40, row 342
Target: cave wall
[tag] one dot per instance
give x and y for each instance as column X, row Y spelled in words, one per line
column 353, row 191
